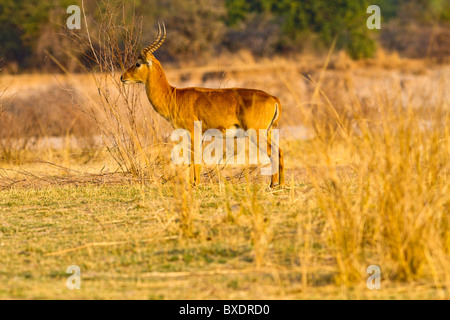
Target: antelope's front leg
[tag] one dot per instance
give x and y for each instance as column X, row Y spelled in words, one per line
column 194, row 169
column 192, row 166
column 197, row 173
column 191, row 175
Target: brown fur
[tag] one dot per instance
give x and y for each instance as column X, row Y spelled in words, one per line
column 215, row 108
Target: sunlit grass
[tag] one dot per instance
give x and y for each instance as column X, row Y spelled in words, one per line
column 369, row 187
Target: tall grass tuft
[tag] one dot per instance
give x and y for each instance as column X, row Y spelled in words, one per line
column 380, row 177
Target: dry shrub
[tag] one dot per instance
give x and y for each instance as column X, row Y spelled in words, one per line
column 35, row 117
column 46, row 113
column 129, row 130
column 380, row 178
column 335, row 107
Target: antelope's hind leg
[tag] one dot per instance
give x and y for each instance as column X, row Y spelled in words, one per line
column 281, row 167
column 194, row 169
column 275, row 178
column 195, row 174
column 278, row 179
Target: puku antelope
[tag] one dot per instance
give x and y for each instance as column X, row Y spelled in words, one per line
column 232, row 108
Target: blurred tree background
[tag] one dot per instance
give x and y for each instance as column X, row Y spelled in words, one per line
column 31, row 30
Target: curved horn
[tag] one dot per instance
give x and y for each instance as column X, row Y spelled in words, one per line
column 158, row 37
column 158, row 41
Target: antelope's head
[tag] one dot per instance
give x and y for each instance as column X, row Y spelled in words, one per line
column 139, row 72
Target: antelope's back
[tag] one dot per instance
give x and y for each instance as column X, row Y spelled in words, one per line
column 238, row 107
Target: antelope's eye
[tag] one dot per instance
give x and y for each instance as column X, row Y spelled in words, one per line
column 138, row 64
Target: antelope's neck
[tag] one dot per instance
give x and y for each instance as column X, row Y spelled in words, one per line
column 160, row 93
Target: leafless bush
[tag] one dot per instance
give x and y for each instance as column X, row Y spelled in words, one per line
column 47, row 113
column 39, row 116
column 127, row 126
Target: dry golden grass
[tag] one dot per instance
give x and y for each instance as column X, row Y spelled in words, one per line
column 368, row 187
